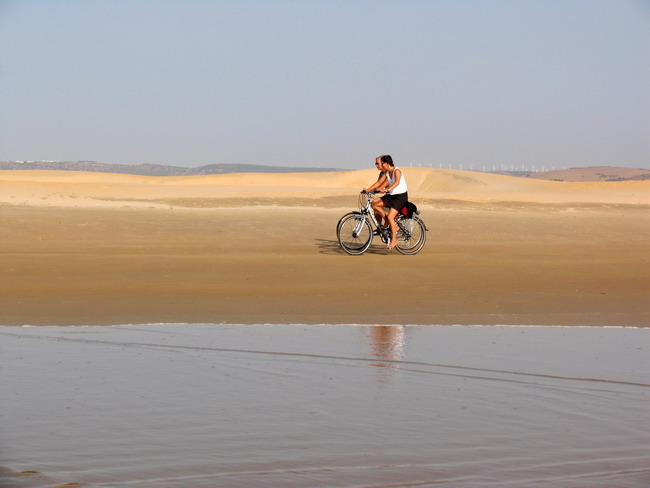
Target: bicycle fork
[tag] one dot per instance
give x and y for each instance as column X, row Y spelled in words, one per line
column 357, row 228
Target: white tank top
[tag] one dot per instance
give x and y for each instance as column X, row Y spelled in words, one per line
column 401, row 187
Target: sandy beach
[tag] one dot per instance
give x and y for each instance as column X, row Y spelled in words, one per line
column 92, row 248
column 224, row 393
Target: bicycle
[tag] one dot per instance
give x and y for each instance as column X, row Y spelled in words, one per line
column 356, row 230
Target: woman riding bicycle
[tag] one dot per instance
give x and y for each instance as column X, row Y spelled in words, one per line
column 394, row 185
column 380, row 183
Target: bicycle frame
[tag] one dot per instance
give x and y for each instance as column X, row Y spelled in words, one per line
column 367, row 212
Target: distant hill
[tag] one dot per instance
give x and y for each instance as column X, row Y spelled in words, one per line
column 592, row 173
column 595, row 173
column 154, row 169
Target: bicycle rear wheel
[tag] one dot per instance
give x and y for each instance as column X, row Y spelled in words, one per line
column 411, row 235
column 355, row 234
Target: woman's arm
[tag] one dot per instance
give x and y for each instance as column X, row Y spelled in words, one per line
column 398, row 177
column 380, row 183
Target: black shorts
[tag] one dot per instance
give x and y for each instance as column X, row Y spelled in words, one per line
column 395, row 201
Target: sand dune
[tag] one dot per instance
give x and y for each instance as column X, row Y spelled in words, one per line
column 61, row 188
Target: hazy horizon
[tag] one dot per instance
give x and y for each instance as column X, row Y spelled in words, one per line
column 460, row 166
column 327, row 84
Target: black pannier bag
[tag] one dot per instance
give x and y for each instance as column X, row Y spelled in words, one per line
column 408, row 210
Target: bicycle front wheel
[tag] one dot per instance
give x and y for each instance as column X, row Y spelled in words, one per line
column 411, row 235
column 355, row 234
column 338, row 225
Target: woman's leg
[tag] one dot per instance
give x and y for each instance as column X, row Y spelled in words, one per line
column 380, row 214
column 392, row 213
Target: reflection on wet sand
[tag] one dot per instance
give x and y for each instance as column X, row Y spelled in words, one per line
column 388, row 343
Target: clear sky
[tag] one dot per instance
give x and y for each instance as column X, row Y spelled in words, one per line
column 326, row 82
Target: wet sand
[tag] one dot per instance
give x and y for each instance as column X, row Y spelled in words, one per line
column 306, row 406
